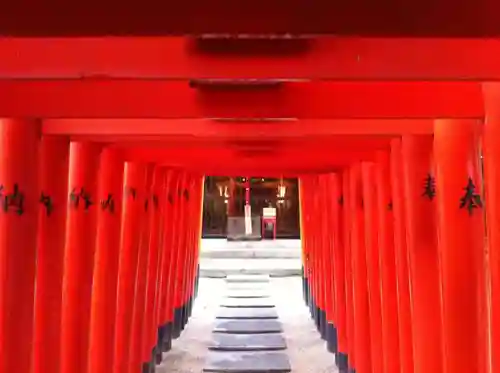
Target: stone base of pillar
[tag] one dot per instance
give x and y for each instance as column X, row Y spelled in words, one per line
column 331, row 338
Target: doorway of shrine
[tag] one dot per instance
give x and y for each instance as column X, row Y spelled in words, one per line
column 229, row 201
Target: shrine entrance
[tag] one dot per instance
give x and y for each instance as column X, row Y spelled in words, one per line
column 226, row 198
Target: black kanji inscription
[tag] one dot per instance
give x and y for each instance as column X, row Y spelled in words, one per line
column 81, row 194
column 155, row 200
column 132, row 192
column 108, row 203
column 12, row 201
column 471, row 200
column 46, row 201
column 429, row 187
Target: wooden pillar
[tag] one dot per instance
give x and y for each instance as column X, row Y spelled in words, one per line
column 370, row 209
column 425, row 281
column 134, row 191
column 103, row 310
column 359, row 275
column 137, row 361
column 329, row 232
column 491, row 153
column 387, row 260
column 20, row 195
column 349, row 287
column 180, row 268
column 153, row 207
column 50, row 253
column 461, row 245
column 401, row 253
column 338, row 259
column 79, row 256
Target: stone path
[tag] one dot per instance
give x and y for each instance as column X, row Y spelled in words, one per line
column 242, row 343
column 302, row 343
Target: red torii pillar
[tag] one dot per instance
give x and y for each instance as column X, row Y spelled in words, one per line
column 50, row 253
column 338, row 254
column 166, row 314
column 181, row 259
column 387, row 260
column 359, row 274
column 425, row 279
column 164, row 260
column 370, row 207
column 20, row 195
column 79, row 256
column 137, row 358
column 304, row 240
column 491, row 153
column 175, row 227
column 401, row 254
column 153, row 206
column 461, row 245
column 329, row 233
column 349, row 286
column 134, row 192
column 106, row 263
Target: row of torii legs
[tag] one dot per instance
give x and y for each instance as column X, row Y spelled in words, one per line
column 99, row 257
column 401, row 256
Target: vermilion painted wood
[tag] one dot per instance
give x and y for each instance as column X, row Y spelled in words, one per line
column 359, row 272
column 334, row 184
column 133, row 204
column 54, row 167
column 371, row 231
column 191, row 130
column 165, row 252
column 177, row 57
column 109, row 202
column 349, row 287
column 423, row 255
column 180, row 267
column 401, row 255
column 81, row 230
column 133, row 98
column 153, row 208
column 178, row 186
column 145, row 221
column 387, row 260
column 18, row 242
column 461, row 246
column 328, row 227
column 491, row 148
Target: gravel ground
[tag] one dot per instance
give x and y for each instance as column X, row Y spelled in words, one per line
column 306, row 350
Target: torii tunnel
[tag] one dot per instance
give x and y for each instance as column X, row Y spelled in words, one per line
column 106, row 140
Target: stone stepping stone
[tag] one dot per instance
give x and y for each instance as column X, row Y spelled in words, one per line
column 247, row 326
column 247, row 342
column 247, row 278
column 248, row 286
column 247, row 313
column 247, row 362
column 247, row 302
column 247, row 294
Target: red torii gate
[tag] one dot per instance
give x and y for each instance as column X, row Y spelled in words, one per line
column 395, row 158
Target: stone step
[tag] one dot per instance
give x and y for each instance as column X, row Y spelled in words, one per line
column 247, row 342
column 251, row 253
column 220, row 268
column 244, row 362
